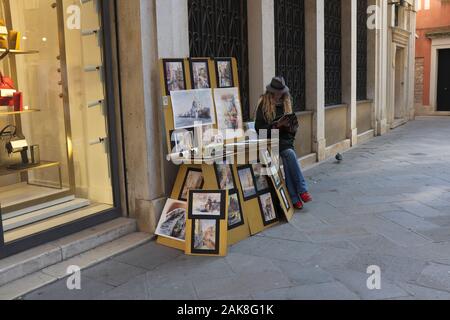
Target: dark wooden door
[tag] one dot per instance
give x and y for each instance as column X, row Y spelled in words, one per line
column 443, row 85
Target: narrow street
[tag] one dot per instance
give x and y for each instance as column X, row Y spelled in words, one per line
column 387, row 204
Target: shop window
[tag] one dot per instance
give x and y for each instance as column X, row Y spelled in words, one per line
column 362, row 50
column 290, row 47
column 333, row 51
column 219, row 29
column 57, row 166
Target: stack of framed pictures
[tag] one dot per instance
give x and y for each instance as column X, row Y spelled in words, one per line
column 214, row 204
column 206, row 226
column 173, row 233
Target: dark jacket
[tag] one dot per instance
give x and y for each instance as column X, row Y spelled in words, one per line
column 286, row 139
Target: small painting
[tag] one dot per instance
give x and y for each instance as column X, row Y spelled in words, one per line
column 235, row 218
column 192, row 181
column 260, row 177
column 267, row 209
column 285, row 199
column 275, row 176
column 193, row 108
column 224, row 70
column 204, row 204
column 172, row 223
column 229, row 112
column 247, row 182
column 224, row 173
column 174, row 75
column 205, row 236
column 200, row 74
column 182, row 140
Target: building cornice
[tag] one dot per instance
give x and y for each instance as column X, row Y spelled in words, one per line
column 400, row 36
column 438, row 33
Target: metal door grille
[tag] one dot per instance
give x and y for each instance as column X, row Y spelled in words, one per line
column 362, row 50
column 290, row 47
column 333, row 49
column 218, row 28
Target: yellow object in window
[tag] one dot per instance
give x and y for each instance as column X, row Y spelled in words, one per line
column 3, row 35
column 14, row 40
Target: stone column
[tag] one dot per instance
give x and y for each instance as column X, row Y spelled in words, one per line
column 372, row 34
column 411, row 66
column 349, row 61
column 141, row 117
column 261, row 47
column 315, row 71
column 381, row 67
column 147, row 30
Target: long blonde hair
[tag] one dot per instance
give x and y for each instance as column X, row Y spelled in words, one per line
column 268, row 104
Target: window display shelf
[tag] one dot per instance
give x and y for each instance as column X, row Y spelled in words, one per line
column 8, row 113
column 4, row 171
column 5, row 52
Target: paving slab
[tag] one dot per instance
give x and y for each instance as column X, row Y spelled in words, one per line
column 435, row 276
column 299, row 274
column 149, row 256
column 324, row 291
column 424, row 293
column 393, row 268
column 59, row 291
column 113, row 273
column 357, row 282
column 419, row 209
column 248, row 283
column 409, row 221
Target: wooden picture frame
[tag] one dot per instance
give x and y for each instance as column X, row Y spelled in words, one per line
column 254, row 193
column 241, row 213
column 218, row 176
column 180, row 197
column 166, row 75
column 221, row 79
column 192, row 63
column 285, row 199
column 267, row 222
column 212, row 222
column 222, row 194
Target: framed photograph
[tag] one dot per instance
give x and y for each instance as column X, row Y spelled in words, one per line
column 262, row 184
column 268, row 212
column 224, row 71
column 247, row 182
column 193, row 108
column 174, row 75
column 275, row 176
column 206, row 204
column 211, row 135
column 172, row 223
column 200, row 74
column 225, row 178
column 235, row 217
column 229, row 112
column 266, row 158
column 285, row 199
column 205, row 236
column 182, row 140
column 193, row 181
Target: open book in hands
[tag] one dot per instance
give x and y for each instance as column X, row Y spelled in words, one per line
column 288, row 122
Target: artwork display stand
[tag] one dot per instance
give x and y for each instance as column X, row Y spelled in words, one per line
column 261, row 208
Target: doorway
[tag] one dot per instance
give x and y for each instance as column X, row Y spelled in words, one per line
column 399, row 105
column 443, row 84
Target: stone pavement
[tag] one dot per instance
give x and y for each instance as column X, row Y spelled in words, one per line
column 386, row 204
